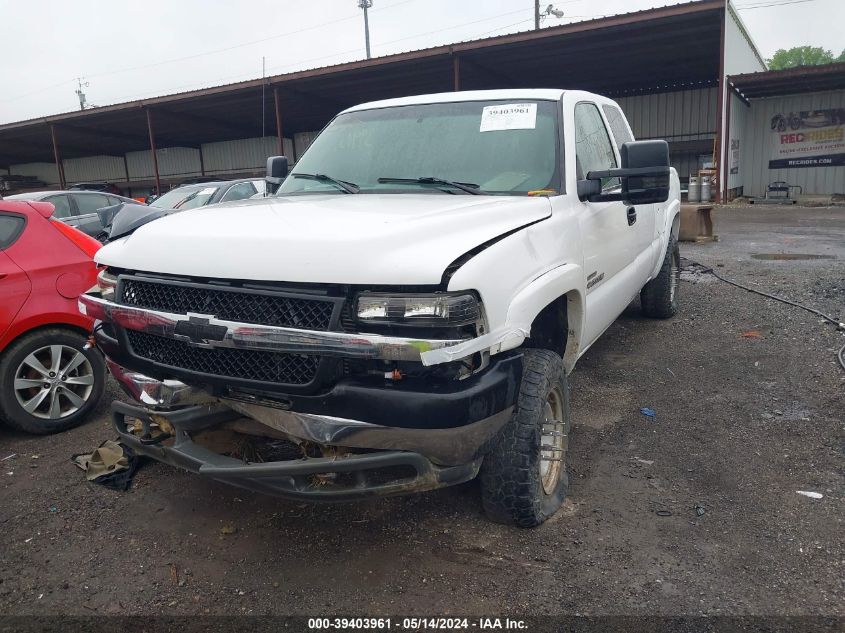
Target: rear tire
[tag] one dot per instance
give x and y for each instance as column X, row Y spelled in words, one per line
column 659, row 297
column 522, row 484
column 33, row 400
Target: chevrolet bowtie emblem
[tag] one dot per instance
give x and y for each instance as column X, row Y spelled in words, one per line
column 198, row 331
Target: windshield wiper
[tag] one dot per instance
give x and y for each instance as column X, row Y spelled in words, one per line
column 468, row 187
column 348, row 187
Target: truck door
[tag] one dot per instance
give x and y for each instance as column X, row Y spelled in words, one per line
column 609, row 238
column 643, row 228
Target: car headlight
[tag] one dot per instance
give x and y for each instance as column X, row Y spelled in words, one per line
column 440, row 309
column 106, row 284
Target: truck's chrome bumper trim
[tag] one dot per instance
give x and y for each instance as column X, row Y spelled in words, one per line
column 258, row 337
column 157, row 393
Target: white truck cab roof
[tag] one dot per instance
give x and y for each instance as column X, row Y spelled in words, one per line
column 546, row 94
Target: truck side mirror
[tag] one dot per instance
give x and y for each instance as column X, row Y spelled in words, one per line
column 650, row 161
column 277, row 171
column 644, row 174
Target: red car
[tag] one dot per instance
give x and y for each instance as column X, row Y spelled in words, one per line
column 48, row 381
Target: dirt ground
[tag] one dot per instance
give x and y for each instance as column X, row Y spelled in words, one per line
column 692, row 512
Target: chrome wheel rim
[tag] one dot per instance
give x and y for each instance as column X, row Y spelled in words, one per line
column 552, row 442
column 675, row 276
column 53, row 382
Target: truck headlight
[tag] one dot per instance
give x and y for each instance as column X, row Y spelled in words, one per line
column 440, row 309
column 106, row 284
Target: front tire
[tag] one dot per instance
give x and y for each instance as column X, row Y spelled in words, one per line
column 659, row 297
column 523, row 478
column 49, row 382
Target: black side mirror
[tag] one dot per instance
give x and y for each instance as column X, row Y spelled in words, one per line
column 277, row 171
column 644, row 174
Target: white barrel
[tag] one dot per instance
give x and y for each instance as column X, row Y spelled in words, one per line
column 705, row 190
column 694, row 189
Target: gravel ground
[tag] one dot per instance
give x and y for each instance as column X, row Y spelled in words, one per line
column 692, row 512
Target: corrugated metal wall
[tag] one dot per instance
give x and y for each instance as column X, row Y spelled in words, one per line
column 45, row 172
column 172, row 161
column 760, row 142
column 94, row 168
column 686, row 119
column 243, row 155
column 675, row 116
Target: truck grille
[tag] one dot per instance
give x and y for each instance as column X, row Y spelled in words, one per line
column 272, row 367
column 265, row 308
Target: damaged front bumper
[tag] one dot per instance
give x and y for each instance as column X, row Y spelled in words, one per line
column 337, row 478
column 365, row 459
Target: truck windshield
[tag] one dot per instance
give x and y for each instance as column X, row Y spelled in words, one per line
column 500, row 147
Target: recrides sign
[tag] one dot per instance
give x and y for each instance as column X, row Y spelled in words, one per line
column 814, row 138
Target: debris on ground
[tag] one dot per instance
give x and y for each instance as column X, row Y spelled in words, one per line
column 751, row 334
column 112, row 465
column 700, row 510
column 9, row 457
column 228, row 529
column 648, row 412
column 812, row 495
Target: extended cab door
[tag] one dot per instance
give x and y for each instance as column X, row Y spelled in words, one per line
column 643, row 214
column 609, row 240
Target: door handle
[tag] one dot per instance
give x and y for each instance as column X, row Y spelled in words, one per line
column 632, row 216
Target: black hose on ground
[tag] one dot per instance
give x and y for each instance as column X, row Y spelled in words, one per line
column 839, row 324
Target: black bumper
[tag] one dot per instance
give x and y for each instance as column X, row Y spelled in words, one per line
column 413, row 403
column 307, row 478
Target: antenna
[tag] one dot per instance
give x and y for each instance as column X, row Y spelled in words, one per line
column 263, row 98
column 83, row 102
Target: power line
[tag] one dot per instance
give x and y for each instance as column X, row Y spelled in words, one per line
column 240, row 76
column 203, row 54
column 766, row 5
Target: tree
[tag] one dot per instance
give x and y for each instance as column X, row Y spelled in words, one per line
column 802, row 56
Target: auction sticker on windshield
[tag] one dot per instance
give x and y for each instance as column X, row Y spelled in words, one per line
column 510, row 116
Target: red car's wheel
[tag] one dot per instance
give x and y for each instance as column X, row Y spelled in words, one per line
column 49, row 382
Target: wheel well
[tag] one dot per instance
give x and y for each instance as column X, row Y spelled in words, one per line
column 46, row 326
column 550, row 328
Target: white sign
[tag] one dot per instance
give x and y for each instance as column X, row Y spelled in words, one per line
column 511, row 116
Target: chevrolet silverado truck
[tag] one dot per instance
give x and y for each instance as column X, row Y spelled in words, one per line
column 403, row 313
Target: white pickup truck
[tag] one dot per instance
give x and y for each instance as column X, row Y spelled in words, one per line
column 403, row 313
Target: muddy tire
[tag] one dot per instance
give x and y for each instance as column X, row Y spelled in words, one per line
column 49, row 382
column 659, row 297
column 521, row 483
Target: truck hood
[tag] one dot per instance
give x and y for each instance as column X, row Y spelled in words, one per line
column 406, row 239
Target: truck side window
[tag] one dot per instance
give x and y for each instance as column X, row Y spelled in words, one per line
column 616, row 120
column 593, row 150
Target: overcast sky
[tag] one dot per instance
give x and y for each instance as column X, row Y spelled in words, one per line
column 131, row 49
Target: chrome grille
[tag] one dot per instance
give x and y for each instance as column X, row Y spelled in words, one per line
column 265, row 308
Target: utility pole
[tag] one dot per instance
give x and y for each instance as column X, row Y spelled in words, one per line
column 536, row 15
column 81, row 95
column 367, row 4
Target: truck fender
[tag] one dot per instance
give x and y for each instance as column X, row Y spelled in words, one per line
column 566, row 279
